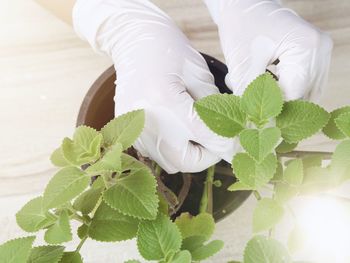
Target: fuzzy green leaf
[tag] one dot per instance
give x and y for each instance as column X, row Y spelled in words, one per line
column 155, row 239
column 311, row 161
column 110, row 162
column 46, row 254
column 202, row 224
column 343, row 123
column 239, row 186
column 285, row 147
column 294, row 172
column 130, row 163
column 285, row 192
column 82, row 231
column 64, row 186
column 60, row 232
column 16, row 250
column 259, row 143
column 340, row 164
column 222, row 114
column 134, row 195
column 183, row 256
column 71, row 257
column 300, row 120
column 125, row 129
column 263, row 250
column 331, row 129
column 208, row 250
column 32, row 217
column 87, row 201
column 267, row 214
column 318, row 180
column 262, row 99
column 251, row 173
column 58, row 159
column 110, row 226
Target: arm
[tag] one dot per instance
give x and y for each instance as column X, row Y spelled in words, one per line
column 60, row 8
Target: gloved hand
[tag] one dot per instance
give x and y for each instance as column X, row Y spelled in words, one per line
column 159, row 71
column 255, row 33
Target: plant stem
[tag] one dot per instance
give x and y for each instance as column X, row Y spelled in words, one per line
column 81, row 244
column 206, row 204
column 257, row 195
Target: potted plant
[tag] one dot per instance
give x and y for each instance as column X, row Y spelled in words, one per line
column 117, row 195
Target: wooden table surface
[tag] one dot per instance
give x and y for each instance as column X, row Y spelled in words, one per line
column 45, row 71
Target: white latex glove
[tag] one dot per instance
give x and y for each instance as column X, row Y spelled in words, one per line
column 159, row 71
column 255, row 33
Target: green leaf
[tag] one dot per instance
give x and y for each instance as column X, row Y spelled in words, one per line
column 202, row 224
column 125, row 129
column 182, row 257
column 294, row 172
column 311, row 161
column 58, row 159
column 130, row 163
column 32, row 217
column 278, row 176
column 110, row 162
column 222, row 114
column 284, row 192
column 263, row 250
column 295, row 240
column 84, row 148
column 60, row 232
column 340, row 164
column 331, row 129
column 262, row 99
column 16, row 250
column 300, row 120
column 82, row 231
column 155, row 239
column 87, row 201
column 238, row 186
column 46, row 254
column 132, row 261
column 267, row 214
column 285, row 147
column 318, row 180
column 259, row 143
column 71, row 257
column 253, row 174
column 110, row 226
column 134, row 195
column 64, row 186
column 207, row 250
column 343, row 123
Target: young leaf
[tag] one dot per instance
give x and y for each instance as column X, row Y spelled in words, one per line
column 46, row 254
column 110, row 226
column 16, row 250
column 87, row 201
column 262, row 99
column 125, row 129
column 253, row 174
column 263, row 250
column 202, row 224
column 222, row 114
column 71, row 257
column 64, row 186
column 300, row 120
column 285, row 192
column 331, row 129
column 278, row 176
column 110, row 162
column 259, row 143
column 183, row 256
column 60, row 232
column 207, row 250
column 343, row 123
column 130, row 163
column 285, row 147
column 266, row 215
column 311, row 161
column 155, row 239
column 134, row 195
column 32, row 217
column 58, row 159
column 340, row 164
column 238, row 186
column 294, row 172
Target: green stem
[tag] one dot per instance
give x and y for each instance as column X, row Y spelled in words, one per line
column 257, row 195
column 81, row 244
column 206, row 204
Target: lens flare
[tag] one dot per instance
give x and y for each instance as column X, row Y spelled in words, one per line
column 325, row 226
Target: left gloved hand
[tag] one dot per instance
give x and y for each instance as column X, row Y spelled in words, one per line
column 256, row 33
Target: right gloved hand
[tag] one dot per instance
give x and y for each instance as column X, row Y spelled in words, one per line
column 157, row 70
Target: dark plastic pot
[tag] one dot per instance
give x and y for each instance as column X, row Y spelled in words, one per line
column 98, row 108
